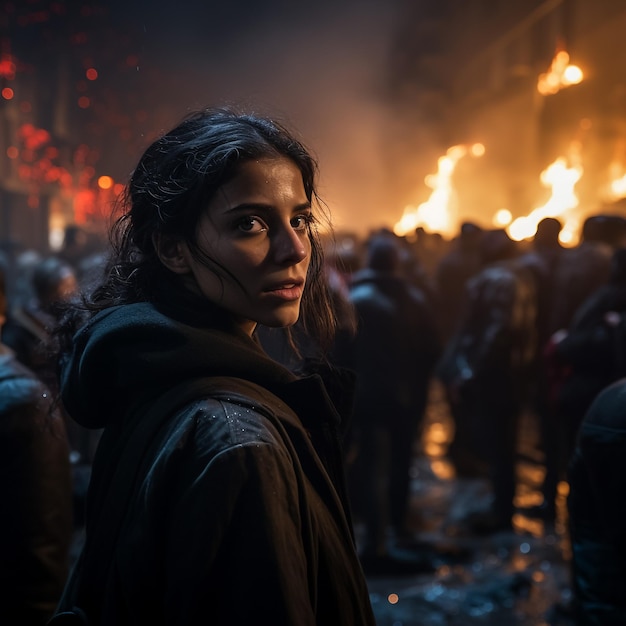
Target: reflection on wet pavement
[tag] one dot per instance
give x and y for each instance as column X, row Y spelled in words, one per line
column 518, row 577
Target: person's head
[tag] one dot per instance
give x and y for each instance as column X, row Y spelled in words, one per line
column 547, row 235
column 594, row 229
column 383, row 254
column 225, row 204
column 470, row 236
column 497, row 246
column 54, row 281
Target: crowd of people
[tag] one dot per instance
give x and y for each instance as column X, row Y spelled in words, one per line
column 212, row 399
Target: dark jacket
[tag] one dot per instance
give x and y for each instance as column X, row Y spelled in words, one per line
column 36, row 520
column 496, row 339
column 240, row 514
column 597, row 511
column 395, row 347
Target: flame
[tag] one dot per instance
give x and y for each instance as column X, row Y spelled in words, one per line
column 502, row 218
column 435, row 213
column 560, row 75
column 616, row 188
column 562, row 180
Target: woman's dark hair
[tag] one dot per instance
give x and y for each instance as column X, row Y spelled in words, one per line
column 175, row 180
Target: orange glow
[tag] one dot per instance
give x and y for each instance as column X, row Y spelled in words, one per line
column 502, row 218
column 84, row 102
column 562, row 180
column 105, row 182
column 436, row 214
column 442, row 469
column 616, row 188
column 8, row 93
column 560, row 75
column 392, row 598
column 118, row 188
column 12, row 152
column 477, row 150
column 91, row 74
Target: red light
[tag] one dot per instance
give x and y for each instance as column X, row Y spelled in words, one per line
column 7, row 67
column 12, row 152
column 7, row 93
column 91, row 73
column 84, row 102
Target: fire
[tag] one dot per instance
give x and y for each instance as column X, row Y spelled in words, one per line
column 436, row 213
column 562, row 180
column 502, row 218
column 561, row 74
column 618, row 187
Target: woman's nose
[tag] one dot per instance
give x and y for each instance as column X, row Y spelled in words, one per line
column 290, row 246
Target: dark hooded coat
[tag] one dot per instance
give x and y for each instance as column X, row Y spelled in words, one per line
column 239, row 515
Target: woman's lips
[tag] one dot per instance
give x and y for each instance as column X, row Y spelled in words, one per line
column 286, row 290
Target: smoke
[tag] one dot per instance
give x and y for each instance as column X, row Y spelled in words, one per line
column 319, row 67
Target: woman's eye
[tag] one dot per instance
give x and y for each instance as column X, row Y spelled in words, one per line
column 250, row 225
column 300, row 222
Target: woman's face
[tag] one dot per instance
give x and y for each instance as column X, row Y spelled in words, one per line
column 256, row 227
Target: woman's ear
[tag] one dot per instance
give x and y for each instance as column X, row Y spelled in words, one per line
column 172, row 252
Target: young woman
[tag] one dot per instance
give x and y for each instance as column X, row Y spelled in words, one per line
column 233, row 506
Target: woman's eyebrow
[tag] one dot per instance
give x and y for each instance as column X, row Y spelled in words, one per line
column 259, row 206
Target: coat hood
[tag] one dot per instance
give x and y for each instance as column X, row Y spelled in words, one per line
column 129, row 354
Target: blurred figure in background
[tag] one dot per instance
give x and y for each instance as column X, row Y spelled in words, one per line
column 35, row 483
column 486, row 374
column 75, row 245
column 597, row 513
column 545, row 256
column 589, row 356
column 393, row 354
column 457, row 266
column 28, row 329
column 28, row 333
column 584, row 268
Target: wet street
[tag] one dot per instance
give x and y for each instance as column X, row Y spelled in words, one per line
column 518, row 577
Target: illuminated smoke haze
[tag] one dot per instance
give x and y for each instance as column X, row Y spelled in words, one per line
column 319, row 66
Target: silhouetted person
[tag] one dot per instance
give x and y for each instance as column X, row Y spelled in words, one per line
column 28, row 329
column 394, row 351
column 582, row 270
column 592, row 356
column 486, row 372
column 545, row 256
column 35, row 486
column 597, row 511
column 459, row 264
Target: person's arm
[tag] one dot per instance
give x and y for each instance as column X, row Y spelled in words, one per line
column 36, row 521
column 237, row 550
